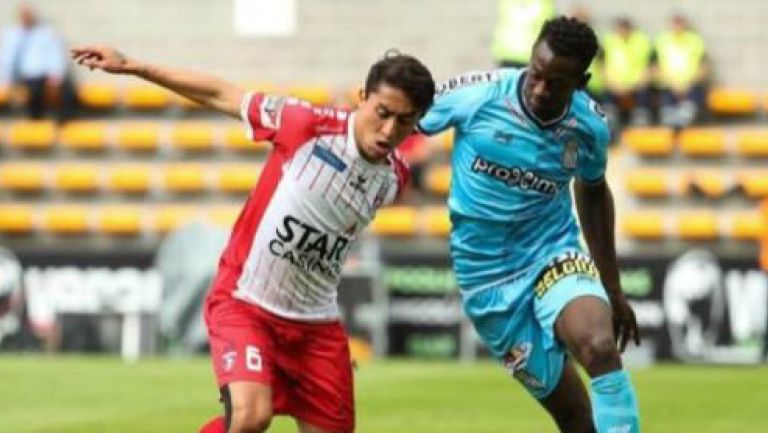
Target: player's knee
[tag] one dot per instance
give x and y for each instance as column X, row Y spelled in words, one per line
column 599, row 354
column 249, row 420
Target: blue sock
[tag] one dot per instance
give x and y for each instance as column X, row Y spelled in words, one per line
column 614, row 406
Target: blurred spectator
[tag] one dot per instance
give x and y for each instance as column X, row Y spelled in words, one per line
column 33, row 57
column 517, row 27
column 681, row 72
column 626, row 66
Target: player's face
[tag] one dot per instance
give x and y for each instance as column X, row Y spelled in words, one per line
column 384, row 118
column 551, row 81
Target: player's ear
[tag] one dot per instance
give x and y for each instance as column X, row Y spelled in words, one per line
column 361, row 94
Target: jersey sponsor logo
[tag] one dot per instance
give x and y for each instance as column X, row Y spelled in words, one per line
column 515, row 176
column 328, row 157
column 309, row 248
column 271, row 111
column 466, row 80
column 566, row 265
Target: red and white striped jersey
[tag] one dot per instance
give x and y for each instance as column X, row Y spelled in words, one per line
column 314, row 195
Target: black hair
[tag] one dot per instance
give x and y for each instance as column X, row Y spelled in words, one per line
column 406, row 73
column 569, row 37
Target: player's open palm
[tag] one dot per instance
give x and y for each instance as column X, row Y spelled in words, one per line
column 101, row 57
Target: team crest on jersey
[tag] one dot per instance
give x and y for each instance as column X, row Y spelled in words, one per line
column 271, row 111
column 571, row 154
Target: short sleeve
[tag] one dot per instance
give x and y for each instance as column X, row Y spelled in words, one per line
column 592, row 163
column 455, row 100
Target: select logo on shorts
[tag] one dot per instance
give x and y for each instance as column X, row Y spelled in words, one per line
column 568, row 264
column 309, row 248
column 516, row 360
column 515, row 176
column 228, row 360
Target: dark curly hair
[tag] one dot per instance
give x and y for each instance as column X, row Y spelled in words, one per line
column 406, row 73
column 569, row 37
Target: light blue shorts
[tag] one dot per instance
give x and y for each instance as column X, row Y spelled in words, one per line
column 515, row 317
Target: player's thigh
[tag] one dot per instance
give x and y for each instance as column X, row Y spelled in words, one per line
column 569, row 403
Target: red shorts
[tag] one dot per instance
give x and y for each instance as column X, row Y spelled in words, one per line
column 307, row 365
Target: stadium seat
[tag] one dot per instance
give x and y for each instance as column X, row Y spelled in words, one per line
column 66, row 219
column 747, row 226
column 237, row 178
column 648, row 225
column 167, row 218
column 98, row 96
column 192, row 136
column 223, row 215
column 119, row 220
column 445, row 140
column 649, row 141
column 650, row 183
column 435, row 221
column 702, row 142
column 129, row 178
column 236, row 139
column 754, row 183
column 83, row 136
column 35, row 135
column 701, row 225
column 438, row 179
column 77, row 177
column 146, row 97
column 395, row 221
column 712, row 183
column 22, row 177
column 138, row 137
column 16, row 218
column 732, row 102
column 314, row 94
column 184, row 178
column 753, row 143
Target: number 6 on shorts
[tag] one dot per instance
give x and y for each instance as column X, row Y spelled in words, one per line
column 252, row 358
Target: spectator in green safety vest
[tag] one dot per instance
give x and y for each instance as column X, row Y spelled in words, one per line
column 517, row 27
column 626, row 74
column 681, row 71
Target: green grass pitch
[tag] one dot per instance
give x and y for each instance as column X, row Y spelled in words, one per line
column 96, row 394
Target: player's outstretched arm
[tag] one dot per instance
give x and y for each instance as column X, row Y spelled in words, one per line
column 205, row 89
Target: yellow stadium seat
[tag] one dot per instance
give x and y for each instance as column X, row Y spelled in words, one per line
column 649, row 141
column 314, row 94
column 145, row 97
column 697, row 225
column 130, row 178
column 22, row 177
column 192, row 136
column 438, row 179
column 649, row 182
column 746, row 226
column 753, row 143
column 167, row 218
column 237, row 178
column 712, row 183
column 120, row 220
column 34, row 135
column 98, row 96
column 84, row 136
column 224, row 215
column 236, row 139
column 732, row 102
column 705, row 142
column 77, row 177
column 754, row 183
column 138, row 137
column 16, row 218
column 445, row 140
column 395, row 221
column 66, row 219
column 184, row 178
column 436, row 221
column 647, row 225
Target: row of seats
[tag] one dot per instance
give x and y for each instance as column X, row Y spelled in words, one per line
column 127, row 178
column 655, row 182
column 138, row 96
column 697, row 142
column 398, row 221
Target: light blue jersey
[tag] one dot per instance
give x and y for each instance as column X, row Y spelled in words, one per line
column 510, row 201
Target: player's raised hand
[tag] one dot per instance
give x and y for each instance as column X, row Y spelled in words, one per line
column 105, row 58
column 624, row 322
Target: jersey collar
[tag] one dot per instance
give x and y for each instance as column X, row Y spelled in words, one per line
column 529, row 113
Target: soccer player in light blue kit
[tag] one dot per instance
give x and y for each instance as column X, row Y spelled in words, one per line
column 521, row 136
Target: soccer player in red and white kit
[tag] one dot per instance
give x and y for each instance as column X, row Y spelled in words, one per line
column 277, row 344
